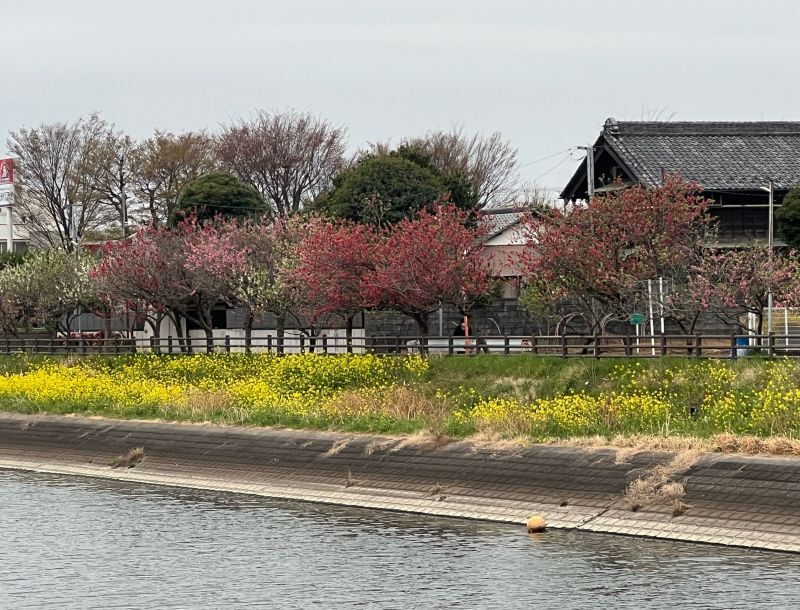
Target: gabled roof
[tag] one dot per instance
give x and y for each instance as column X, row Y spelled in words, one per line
column 498, row 220
column 718, row 156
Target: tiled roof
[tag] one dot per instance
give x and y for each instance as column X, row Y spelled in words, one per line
column 498, row 220
column 718, row 156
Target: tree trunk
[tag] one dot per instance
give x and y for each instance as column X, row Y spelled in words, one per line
column 348, row 333
column 248, row 329
column 280, row 330
column 186, row 346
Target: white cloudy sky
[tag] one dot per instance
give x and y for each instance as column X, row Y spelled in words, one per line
column 545, row 74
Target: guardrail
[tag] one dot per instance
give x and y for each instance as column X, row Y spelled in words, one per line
column 565, row 346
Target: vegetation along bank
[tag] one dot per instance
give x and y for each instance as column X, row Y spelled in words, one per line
column 522, row 397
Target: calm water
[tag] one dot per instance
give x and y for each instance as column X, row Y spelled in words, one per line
column 85, row 543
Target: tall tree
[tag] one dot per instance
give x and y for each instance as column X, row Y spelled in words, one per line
column 289, row 157
column 111, row 173
column 335, row 269
column 434, row 260
column 162, row 166
column 382, row 189
column 54, row 179
column 488, row 162
column 218, row 194
column 596, row 257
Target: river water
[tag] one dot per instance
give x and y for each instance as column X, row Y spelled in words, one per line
column 90, row 543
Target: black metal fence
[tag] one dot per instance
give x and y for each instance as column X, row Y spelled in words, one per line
column 564, row 346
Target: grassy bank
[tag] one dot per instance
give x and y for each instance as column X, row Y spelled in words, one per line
column 520, row 396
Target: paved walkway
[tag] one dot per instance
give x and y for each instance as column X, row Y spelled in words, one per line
column 731, row 500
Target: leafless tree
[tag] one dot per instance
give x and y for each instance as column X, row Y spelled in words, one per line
column 489, row 163
column 112, row 174
column 163, row 165
column 289, row 157
column 55, row 179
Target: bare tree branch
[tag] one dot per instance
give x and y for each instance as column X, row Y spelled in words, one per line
column 289, row 157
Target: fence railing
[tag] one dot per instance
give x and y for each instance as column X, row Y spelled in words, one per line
column 564, row 346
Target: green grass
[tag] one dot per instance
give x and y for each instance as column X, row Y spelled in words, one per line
column 460, row 396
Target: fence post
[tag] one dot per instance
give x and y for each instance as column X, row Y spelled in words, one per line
column 8, row 346
column 325, row 344
column 771, row 344
column 627, row 343
column 269, row 344
column 397, row 343
column 227, row 344
column 534, row 345
column 506, row 344
column 563, row 346
column 302, row 344
column 169, row 344
column 450, row 345
column 663, row 344
column 698, row 345
column 734, row 353
column 49, row 345
column 596, row 348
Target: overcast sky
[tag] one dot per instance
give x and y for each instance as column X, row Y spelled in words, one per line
column 545, row 74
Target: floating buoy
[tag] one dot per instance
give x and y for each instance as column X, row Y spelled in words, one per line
column 536, row 524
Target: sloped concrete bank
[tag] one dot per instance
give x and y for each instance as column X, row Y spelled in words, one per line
column 731, row 500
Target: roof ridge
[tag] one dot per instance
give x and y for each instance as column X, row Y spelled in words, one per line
column 615, row 128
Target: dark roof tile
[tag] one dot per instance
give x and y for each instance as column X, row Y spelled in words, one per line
column 716, row 155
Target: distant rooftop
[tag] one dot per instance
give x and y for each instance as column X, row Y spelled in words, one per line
column 741, row 156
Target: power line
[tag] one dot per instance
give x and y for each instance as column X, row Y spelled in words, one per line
column 556, row 166
column 561, row 152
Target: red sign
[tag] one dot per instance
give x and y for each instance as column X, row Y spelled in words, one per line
column 6, row 171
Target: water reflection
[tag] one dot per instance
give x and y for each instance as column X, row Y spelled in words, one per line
column 92, row 543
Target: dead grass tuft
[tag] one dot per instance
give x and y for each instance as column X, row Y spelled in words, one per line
column 337, row 446
column 753, row 445
column 425, row 439
column 400, row 403
column 656, row 486
column 494, row 441
column 205, row 405
column 129, row 459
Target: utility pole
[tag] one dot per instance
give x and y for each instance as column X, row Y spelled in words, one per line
column 10, row 237
column 769, row 245
column 770, row 231
column 124, row 202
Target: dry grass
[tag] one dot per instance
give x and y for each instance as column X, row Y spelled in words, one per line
column 401, row 403
column 337, row 447
column 656, row 486
column 425, row 439
column 205, row 405
column 753, row 445
column 129, row 459
column 722, row 443
column 494, row 441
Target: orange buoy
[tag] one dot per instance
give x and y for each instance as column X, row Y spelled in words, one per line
column 536, row 524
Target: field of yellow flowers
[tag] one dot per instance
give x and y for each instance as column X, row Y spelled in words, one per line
column 538, row 397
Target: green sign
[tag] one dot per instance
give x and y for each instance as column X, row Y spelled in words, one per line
column 636, row 318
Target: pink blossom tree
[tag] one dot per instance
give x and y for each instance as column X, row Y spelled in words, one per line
column 596, row 257
column 728, row 283
column 334, row 271
column 434, row 260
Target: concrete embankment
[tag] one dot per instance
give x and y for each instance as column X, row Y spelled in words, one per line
column 722, row 499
